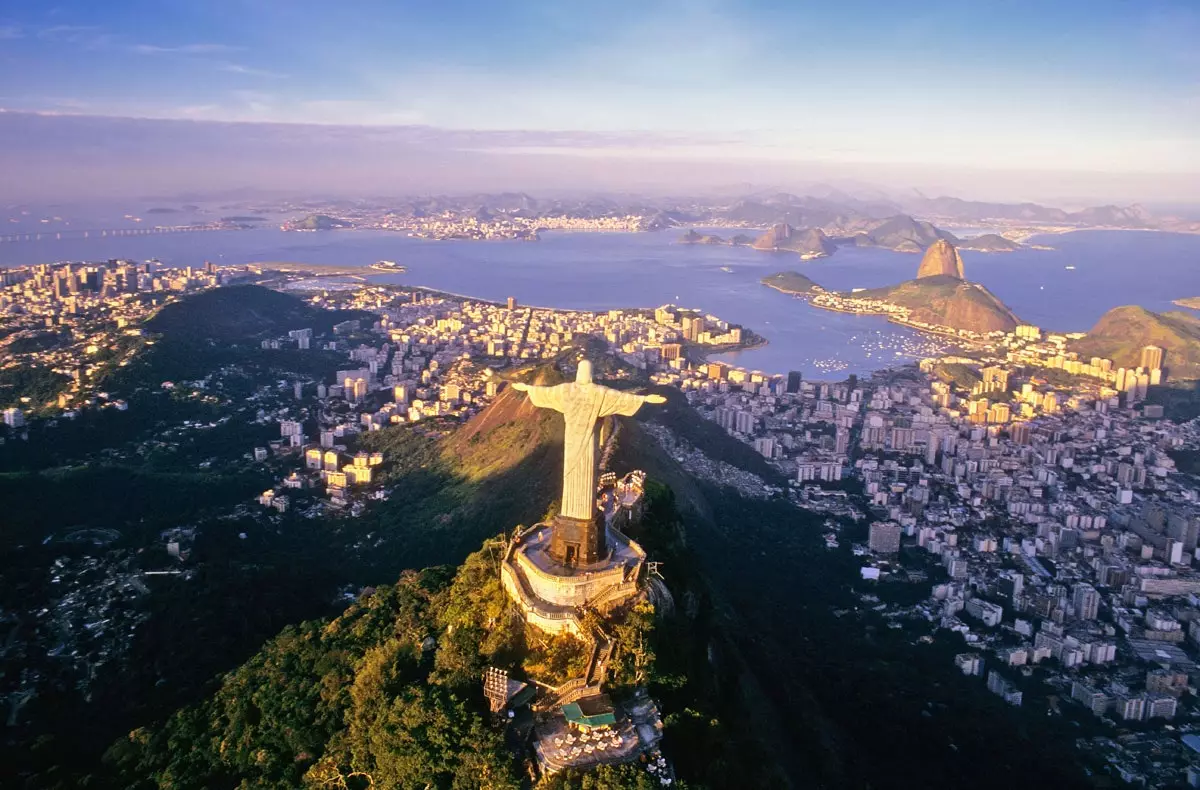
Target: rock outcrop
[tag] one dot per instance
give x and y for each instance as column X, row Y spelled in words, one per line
column 941, row 259
column 810, row 243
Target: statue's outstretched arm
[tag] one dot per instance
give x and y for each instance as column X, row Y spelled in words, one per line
column 626, row 403
column 542, row 397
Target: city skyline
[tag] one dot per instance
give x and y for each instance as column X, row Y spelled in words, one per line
column 1012, row 102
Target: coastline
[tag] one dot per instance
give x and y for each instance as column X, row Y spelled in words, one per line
column 699, row 353
column 948, row 332
column 788, row 291
column 695, row 351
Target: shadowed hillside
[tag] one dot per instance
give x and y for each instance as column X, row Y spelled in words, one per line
column 240, row 312
column 223, row 326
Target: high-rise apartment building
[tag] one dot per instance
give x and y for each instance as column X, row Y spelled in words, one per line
column 1086, row 602
column 884, row 537
column 1152, row 357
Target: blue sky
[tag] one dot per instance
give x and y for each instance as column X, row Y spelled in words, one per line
column 1100, row 86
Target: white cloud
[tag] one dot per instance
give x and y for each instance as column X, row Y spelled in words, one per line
column 182, row 49
column 88, row 36
column 250, row 71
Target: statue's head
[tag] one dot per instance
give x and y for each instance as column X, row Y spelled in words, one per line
column 584, row 374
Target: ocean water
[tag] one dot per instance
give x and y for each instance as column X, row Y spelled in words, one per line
column 597, row 271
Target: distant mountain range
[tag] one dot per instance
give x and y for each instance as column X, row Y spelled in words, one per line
column 835, row 212
column 900, row 233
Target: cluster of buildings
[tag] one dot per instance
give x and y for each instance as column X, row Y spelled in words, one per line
column 1061, row 533
column 68, row 319
column 1027, row 346
column 431, row 357
column 1044, row 510
column 896, row 313
column 1035, row 493
column 484, row 226
column 804, row 428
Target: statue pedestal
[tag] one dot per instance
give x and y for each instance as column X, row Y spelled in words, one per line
column 552, row 595
column 576, row 541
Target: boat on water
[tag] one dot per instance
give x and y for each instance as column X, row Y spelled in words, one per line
column 1070, row 268
column 726, row 269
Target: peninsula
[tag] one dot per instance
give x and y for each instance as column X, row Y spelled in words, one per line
column 940, row 300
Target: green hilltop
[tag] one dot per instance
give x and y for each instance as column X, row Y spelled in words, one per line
column 1121, row 332
column 988, row 242
column 321, row 222
column 241, row 312
column 791, row 283
column 201, row 332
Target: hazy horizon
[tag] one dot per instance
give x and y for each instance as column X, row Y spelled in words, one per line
column 1075, row 104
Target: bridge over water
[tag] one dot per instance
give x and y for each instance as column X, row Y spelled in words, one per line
column 100, row 233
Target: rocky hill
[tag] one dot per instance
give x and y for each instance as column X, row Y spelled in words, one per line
column 988, row 242
column 1121, row 332
column 1115, row 216
column 319, row 222
column 977, row 211
column 941, row 260
column 810, row 243
column 948, row 301
column 901, row 233
column 692, row 237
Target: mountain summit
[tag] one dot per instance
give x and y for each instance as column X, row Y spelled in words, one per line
column 941, row 259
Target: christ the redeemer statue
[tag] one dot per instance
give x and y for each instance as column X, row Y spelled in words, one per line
column 582, row 404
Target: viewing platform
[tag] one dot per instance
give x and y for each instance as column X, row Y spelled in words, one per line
column 552, row 595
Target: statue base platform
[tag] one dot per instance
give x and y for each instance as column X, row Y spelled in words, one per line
column 553, row 595
column 578, row 541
